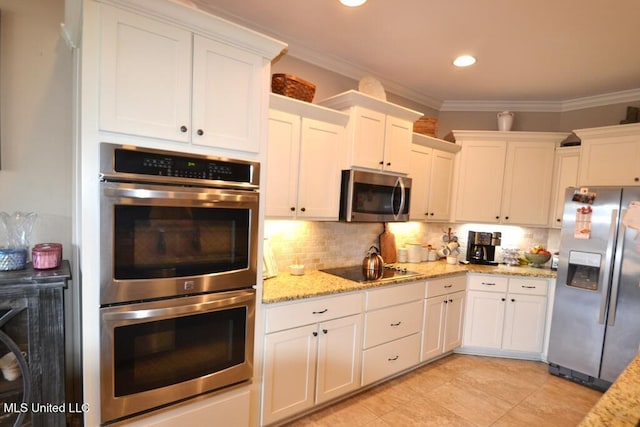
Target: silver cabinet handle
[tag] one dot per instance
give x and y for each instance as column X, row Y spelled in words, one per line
column 527, row 287
column 448, row 286
column 488, row 284
column 320, row 312
column 395, row 324
column 391, row 359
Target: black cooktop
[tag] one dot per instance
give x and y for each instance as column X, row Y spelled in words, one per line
column 354, row 272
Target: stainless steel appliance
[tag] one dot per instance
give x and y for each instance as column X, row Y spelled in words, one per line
column 356, row 273
column 595, row 328
column 158, row 352
column 481, row 247
column 179, row 262
column 374, row 197
column 175, row 224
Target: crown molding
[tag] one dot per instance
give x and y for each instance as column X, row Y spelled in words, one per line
column 601, row 100
column 355, row 72
column 493, row 106
column 348, row 69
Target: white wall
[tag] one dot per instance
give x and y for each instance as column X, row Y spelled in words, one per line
column 35, row 117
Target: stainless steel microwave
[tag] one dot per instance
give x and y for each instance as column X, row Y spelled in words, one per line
column 374, row 197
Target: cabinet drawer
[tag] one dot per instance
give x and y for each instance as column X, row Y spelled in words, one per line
column 312, row 311
column 388, row 359
column 391, row 323
column 394, row 295
column 445, row 285
column 528, row 286
column 487, row 283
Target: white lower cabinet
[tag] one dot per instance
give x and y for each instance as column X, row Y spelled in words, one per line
column 505, row 314
column 312, row 354
column 443, row 316
column 393, row 322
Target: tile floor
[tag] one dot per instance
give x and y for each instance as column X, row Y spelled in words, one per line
column 462, row 390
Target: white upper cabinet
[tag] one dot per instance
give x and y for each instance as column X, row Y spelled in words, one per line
column 610, row 155
column 505, row 177
column 227, row 89
column 379, row 132
column 305, row 154
column 145, row 76
column 164, row 81
column 565, row 174
column 431, row 168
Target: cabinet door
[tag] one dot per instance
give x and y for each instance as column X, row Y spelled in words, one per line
column 524, row 323
column 454, row 321
column 420, row 173
column 321, row 160
column 339, row 357
column 484, row 319
column 368, row 138
column 227, row 93
column 289, row 372
column 145, row 76
column 480, row 182
column 527, row 183
column 441, row 183
column 610, row 161
column 283, row 153
column 565, row 175
column 434, row 323
column 397, row 144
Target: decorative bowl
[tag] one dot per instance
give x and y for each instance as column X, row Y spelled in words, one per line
column 537, row 260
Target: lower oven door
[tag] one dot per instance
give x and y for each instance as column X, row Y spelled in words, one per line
column 160, row 352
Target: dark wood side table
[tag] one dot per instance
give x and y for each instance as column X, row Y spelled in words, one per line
column 32, row 328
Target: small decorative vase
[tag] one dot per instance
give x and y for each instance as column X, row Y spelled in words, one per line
column 505, row 120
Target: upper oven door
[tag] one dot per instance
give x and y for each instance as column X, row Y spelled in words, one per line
column 161, row 241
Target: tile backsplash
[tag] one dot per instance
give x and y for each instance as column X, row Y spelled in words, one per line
column 320, row 245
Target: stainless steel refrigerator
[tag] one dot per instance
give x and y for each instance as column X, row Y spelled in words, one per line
column 595, row 327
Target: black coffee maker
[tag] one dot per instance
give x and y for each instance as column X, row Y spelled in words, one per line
column 481, row 247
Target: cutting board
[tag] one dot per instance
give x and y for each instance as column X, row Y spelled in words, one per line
column 388, row 246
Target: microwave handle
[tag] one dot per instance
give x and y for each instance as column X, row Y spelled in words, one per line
column 399, row 183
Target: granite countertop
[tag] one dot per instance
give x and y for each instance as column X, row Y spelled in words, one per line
column 620, row 405
column 286, row 287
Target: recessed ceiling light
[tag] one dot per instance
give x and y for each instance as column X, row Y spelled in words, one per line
column 353, row 3
column 464, row 61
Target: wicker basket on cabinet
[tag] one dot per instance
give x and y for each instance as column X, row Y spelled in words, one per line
column 426, row 126
column 293, row 87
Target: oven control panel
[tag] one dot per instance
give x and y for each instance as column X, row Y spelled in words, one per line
column 156, row 163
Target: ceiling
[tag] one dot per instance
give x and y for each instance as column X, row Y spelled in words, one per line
column 545, row 53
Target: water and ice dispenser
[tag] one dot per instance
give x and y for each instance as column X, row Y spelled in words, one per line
column 584, row 270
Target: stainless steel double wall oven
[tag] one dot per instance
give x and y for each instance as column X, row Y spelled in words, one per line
column 178, row 268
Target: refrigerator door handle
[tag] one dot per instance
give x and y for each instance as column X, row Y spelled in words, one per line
column 617, row 271
column 606, row 275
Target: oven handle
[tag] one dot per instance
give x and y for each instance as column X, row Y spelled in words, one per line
column 172, row 311
column 208, row 195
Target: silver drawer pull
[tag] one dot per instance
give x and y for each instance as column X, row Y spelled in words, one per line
column 488, row 284
column 395, row 324
column 448, row 286
column 321, row 311
column 391, row 359
column 527, row 287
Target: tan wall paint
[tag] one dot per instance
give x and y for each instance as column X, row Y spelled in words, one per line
column 329, row 83
column 35, row 120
